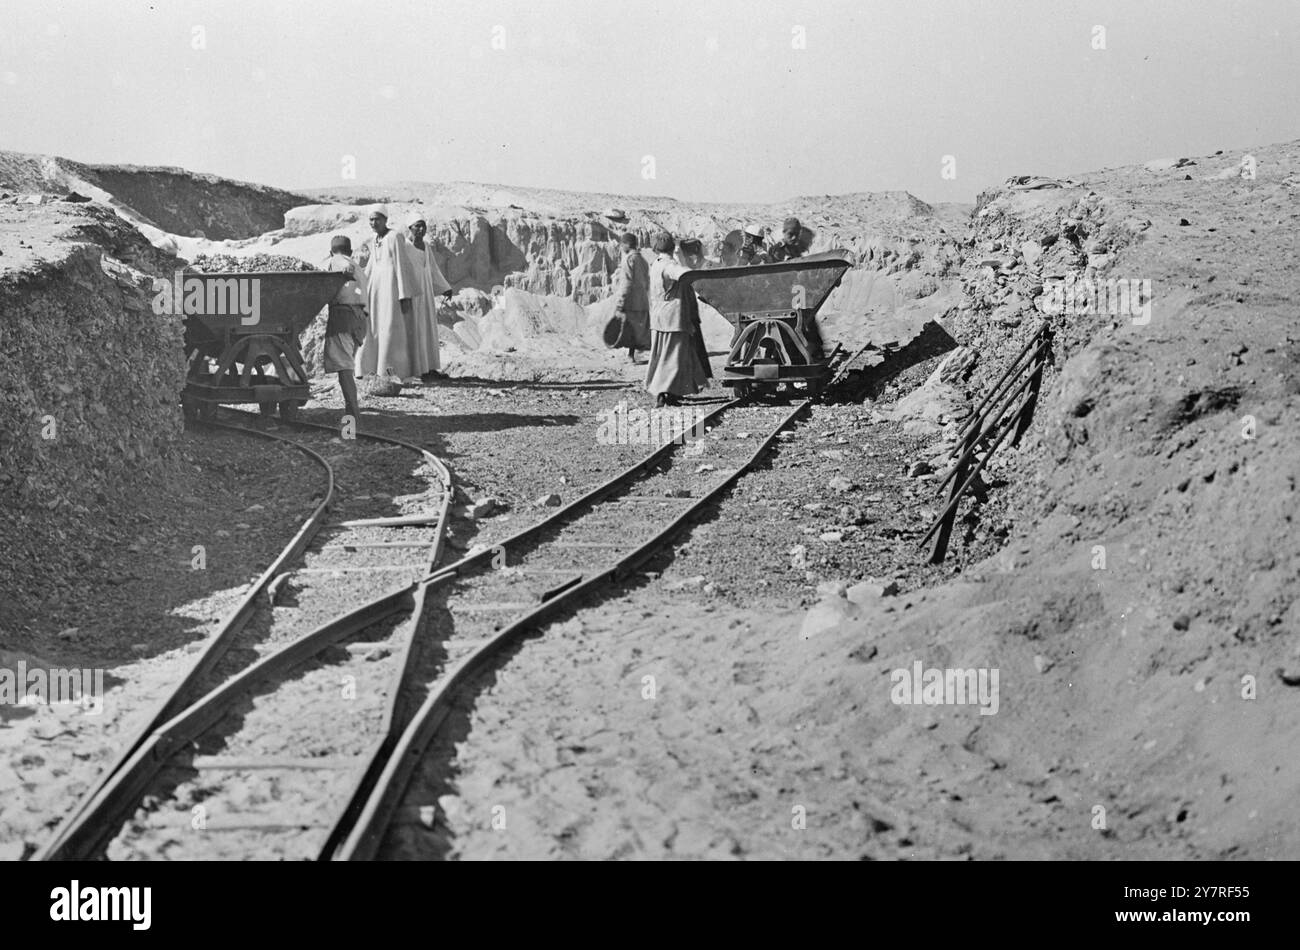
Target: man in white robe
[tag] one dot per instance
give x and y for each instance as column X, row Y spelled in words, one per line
column 434, row 286
column 393, row 283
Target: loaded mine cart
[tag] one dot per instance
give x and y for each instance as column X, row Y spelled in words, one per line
column 239, row 353
column 773, row 308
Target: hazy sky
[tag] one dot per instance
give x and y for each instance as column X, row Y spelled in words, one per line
column 735, row 100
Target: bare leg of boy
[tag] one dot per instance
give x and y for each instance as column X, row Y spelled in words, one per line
column 348, row 386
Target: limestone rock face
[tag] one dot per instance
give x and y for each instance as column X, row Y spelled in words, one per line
column 557, row 243
column 465, row 252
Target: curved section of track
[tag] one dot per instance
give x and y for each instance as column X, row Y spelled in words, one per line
column 250, row 707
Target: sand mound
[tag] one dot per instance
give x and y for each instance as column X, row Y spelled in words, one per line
column 521, row 336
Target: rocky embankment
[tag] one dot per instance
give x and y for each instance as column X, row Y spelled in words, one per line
column 89, row 380
column 1143, row 612
column 166, row 201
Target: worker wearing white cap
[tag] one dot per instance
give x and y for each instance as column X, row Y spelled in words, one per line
column 751, row 251
column 393, row 282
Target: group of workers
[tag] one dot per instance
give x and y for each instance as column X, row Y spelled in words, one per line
column 384, row 318
column 789, row 246
column 654, row 312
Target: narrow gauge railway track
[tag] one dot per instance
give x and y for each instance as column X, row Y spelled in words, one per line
column 220, row 772
column 495, row 595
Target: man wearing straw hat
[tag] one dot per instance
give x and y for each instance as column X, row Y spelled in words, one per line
column 751, row 251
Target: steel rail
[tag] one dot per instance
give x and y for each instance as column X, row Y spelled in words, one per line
column 108, row 804
column 104, row 807
column 477, row 556
column 960, row 491
column 1037, row 341
column 366, row 835
column 378, row 756
column 211, row 654
column 117, row 799
column 994, row 420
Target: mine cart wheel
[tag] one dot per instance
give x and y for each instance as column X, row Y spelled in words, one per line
column 816, row 387
column 744, row 390
column 289, row 410
column 266, row 408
